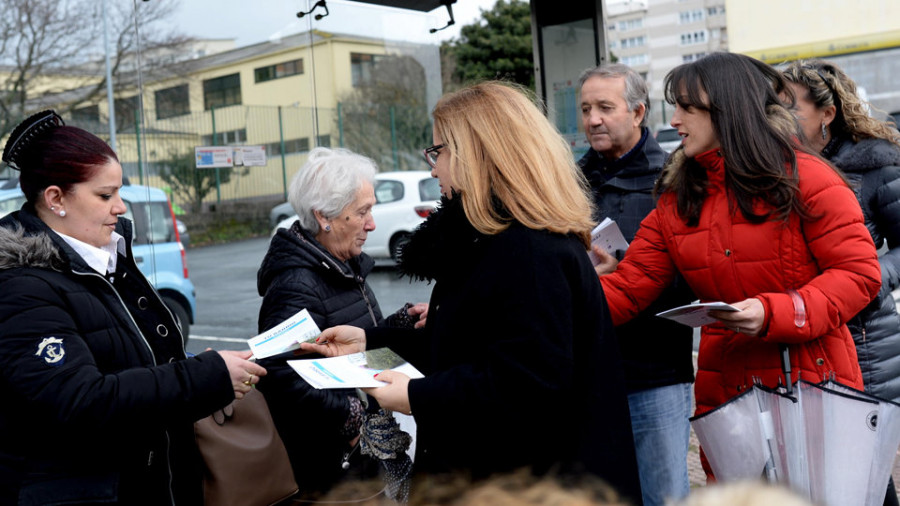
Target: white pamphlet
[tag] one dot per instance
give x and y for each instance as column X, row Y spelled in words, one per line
column 608, row 236
column 286, row 336
column 696, row 315
column 356, row 370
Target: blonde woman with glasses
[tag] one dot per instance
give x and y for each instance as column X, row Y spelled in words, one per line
column 521, row 365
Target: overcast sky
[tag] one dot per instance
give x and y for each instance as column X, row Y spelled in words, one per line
column 252, row 21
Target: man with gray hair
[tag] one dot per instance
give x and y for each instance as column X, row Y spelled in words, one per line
column 622, row 166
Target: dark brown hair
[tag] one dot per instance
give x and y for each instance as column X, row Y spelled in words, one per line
column 62, row 156
column 755, row 131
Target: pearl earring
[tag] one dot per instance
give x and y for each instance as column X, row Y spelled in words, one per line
column 62, row 213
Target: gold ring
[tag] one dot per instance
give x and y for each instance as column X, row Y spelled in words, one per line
column 249, row 381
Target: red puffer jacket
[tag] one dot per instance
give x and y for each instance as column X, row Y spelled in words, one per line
column 829, row 260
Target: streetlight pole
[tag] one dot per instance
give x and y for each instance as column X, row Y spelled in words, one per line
column 109, row 85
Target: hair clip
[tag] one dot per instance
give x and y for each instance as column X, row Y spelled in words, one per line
column 29, row 129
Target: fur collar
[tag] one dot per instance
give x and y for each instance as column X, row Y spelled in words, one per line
column 866, row 155
column 443, row 244
column 18, row 249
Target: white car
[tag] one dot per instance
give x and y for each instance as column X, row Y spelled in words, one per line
column 403, row 200
column 668, row 139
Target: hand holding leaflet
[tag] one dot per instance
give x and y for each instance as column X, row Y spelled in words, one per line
column 696, row 315
column 608, row 236
column 352, row 371
column 285, row 336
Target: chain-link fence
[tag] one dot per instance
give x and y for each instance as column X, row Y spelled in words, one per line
column 160, row 152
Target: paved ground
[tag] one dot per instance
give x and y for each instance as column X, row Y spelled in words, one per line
column 698, row 478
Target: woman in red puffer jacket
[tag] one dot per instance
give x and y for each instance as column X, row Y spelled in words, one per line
column 748, row 219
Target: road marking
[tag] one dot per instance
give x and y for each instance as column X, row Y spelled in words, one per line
column 218, row 339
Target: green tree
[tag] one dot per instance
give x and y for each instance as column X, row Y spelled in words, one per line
column 498, row 46
column 189, row 185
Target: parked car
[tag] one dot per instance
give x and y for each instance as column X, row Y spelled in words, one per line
column 280, row 213
column 668, row 139
column 403, row 200
column 157, row 246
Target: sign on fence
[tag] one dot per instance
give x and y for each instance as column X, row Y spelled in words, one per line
column 210, row 157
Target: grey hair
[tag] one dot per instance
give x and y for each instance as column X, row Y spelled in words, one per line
column 328, row 183
column 636, row 92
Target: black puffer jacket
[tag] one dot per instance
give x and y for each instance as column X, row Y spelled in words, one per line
column 873, row 168
column 656, row 352
column 99, row 400
column 521, row 362
column 299, row 273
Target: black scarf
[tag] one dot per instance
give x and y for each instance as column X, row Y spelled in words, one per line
column 443, row 245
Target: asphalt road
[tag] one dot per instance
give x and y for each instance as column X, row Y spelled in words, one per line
column 224, row 277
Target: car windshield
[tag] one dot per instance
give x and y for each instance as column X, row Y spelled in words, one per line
column 153, row 223
column 669, row 134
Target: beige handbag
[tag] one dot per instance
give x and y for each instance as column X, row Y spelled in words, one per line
column 245, row 462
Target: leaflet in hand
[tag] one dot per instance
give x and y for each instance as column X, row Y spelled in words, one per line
column 608, row 236
column 285, row 336
column 696, row 315
column 352, row 371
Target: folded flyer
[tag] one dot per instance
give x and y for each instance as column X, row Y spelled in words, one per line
column 285, row 336
column 352, row 371
column 696, row 315
column 608, row 236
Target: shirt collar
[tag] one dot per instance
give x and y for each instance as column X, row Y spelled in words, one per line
column 102, row 260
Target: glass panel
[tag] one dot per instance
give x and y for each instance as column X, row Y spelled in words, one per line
column 567, row 48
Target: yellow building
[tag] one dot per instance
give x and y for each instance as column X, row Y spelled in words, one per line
column 285, row 95
column 775, row 31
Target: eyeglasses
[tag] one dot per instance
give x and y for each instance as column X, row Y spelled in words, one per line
column 431, row 154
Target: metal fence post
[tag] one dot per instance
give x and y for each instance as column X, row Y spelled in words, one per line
column 137, row 138
column 340, row 125
column 212, row 112
column 283, row 162
column 394, row 141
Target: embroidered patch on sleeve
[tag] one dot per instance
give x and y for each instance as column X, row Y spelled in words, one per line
column 52, row 351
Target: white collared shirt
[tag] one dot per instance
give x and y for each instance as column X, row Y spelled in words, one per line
column 102, row 260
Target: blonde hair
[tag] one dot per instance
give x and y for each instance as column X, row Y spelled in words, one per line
column 743, row 493
column 826, row 85
column 502, row 147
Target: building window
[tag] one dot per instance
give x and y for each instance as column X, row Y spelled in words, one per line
column 697, row 37
column 692, row 16
column 125, row 111
column 222, row 91
column 631, row 24
column 716, row 10
column 362, row 67
column 89, row 113
column 171, row 102
column 288, row 68
column 323, row 141
column 687, row 58
column 227, row 138
column 633, row 42
column 638, row 59
column 291, row 146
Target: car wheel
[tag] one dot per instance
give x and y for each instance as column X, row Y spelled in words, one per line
column 181, row 316
column 397, row 244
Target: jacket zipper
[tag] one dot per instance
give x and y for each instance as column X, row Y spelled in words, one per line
column 152, row 358
column 362, row 289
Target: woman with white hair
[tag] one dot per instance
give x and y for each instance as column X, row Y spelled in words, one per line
column 318, row 265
